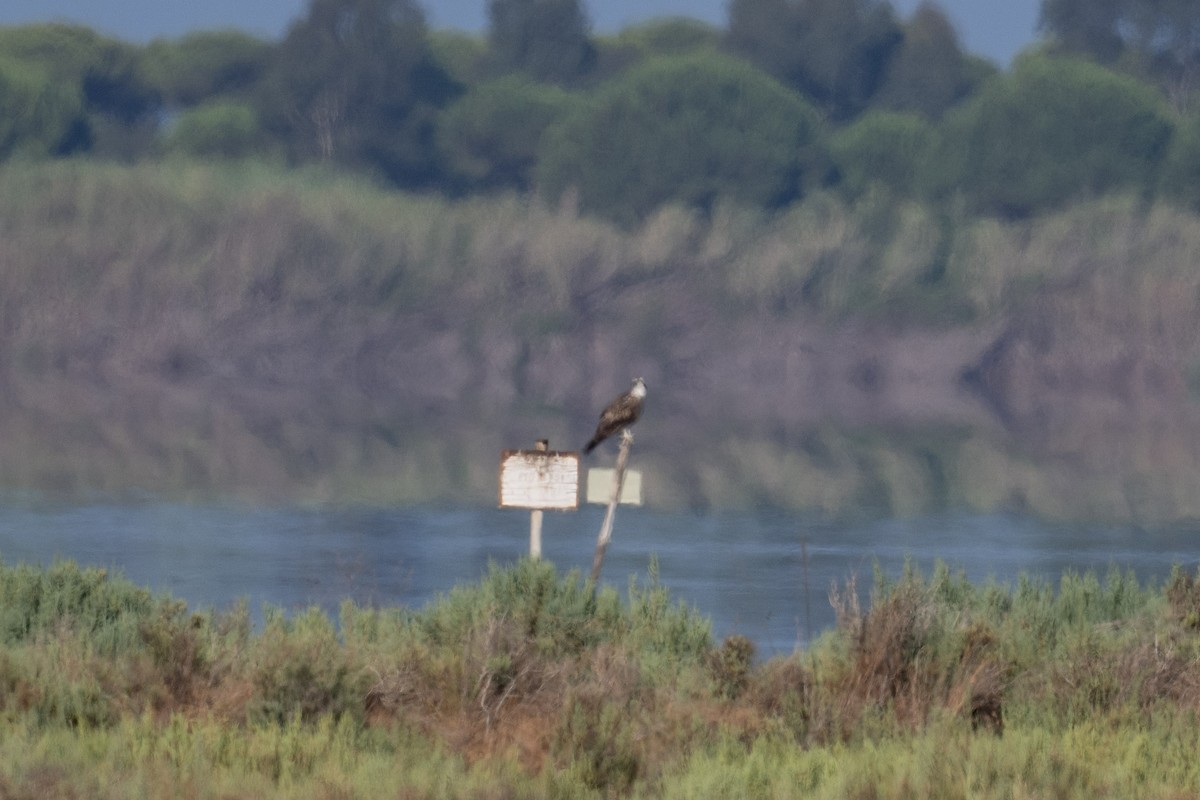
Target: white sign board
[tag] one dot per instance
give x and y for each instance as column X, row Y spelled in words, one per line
column 600, row 486
column 539, row 479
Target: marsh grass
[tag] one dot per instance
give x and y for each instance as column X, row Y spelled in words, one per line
column 139, row 264
column 203, row 331
column 529, row 684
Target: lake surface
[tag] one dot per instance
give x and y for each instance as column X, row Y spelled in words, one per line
column 766, row 576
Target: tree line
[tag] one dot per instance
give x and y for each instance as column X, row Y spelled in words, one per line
column 788, row 98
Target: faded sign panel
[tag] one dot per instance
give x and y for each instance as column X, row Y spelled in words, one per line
column 600, row 486
column 547, row 479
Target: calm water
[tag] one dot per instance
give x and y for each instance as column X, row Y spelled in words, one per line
column 745, row 571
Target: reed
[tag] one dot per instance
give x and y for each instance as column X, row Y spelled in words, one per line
column 201, row 331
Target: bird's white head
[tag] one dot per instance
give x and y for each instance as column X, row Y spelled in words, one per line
column 639, row 388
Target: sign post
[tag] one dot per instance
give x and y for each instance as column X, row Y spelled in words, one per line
column 539, row 479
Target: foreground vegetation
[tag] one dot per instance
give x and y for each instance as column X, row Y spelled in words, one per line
column 529, row 685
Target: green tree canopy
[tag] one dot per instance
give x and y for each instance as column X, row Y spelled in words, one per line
column 220, row 128
column 546, row 39
column 118, row 102
column 462, row 55
column 888, row 148
column 1085, row 26
column 1052, row 130
column 491, row 134
column 1156, row 38
column 1181, row 168
column 354, row 82
column 205, row 65
column 39, row 116
column 668, row 36
column 665, row 36
column 106, row 70
column 690, row 129
column 929, row 72
column 834, row 51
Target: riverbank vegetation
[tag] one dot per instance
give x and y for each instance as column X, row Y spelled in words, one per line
column 527, row 684
column 199, row 332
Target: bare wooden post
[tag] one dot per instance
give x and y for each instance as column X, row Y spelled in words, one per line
column 607, row 528
column 535, row 516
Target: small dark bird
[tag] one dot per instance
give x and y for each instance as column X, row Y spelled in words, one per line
column 619, row 414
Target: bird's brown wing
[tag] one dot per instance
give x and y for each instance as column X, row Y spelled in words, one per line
column 620, row 413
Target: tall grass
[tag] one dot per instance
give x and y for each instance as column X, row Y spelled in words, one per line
column 528, row 684
column 249, row 234
column 201, row 331
column 120, row 251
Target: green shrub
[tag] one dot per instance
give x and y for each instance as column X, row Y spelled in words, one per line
column 596, row 743
column 667, row 634
column 300, row 670
column 1054, row 130
column 491, row 134
column 179, row 648
column 559, row 615
column 731, row 664
column 1183, row 597
column 219, row 129
column 106, row 611
column 637, row 144
column 888, row 148
column 491, row 691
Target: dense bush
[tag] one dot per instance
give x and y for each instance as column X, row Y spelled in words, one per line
column 39, row 116
column 355, row 83
column 929, row 72
column 545, row 39
column 691, row 129
column 1052, row 131
column 886, row 148
column 105, row 611
column 1181, row 167
column 204, row 66
column 530, row 682
column 667, row 36
column 835, row 53
column 106, row 71
column 216, row 130
column 492, row 134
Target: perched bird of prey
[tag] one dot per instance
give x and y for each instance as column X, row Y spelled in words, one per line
column 619, row 414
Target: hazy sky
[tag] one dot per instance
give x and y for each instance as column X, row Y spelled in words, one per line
column 992, row 28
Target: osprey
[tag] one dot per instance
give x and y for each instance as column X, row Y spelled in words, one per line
column 619, row 415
